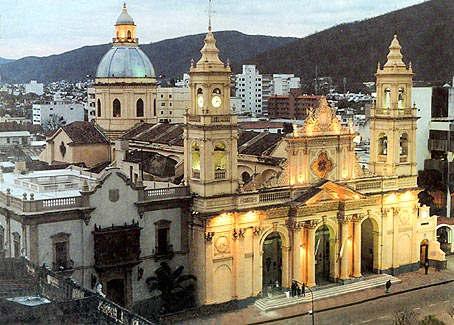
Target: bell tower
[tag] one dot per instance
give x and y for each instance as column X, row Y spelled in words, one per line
column 211, row 132
column 393, row 119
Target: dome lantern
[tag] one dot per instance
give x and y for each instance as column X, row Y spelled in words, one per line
column 125, row 29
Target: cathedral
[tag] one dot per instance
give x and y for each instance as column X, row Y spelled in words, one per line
column 266, row 210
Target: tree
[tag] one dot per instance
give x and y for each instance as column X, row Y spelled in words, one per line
column 53, row 123
column 176, row 289
column 405, row 317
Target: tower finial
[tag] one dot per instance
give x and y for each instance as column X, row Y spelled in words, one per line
column 210, row 13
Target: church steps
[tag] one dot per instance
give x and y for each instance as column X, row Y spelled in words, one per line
column 282, row 301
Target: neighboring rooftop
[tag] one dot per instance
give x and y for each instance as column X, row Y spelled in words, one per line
column 249, row 142
column 46, row 184
column 81, row 133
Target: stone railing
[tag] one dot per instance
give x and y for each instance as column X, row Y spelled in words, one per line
column 209, row 119
column 29, row 204
column 219, row 174
column 65, row 291
column 167, row 193
column 375, row 185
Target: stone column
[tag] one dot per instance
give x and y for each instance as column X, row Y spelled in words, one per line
column 357, row 246
column 310, row 249
column 344, row 247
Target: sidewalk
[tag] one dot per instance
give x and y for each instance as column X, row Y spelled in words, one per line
column 251, row 314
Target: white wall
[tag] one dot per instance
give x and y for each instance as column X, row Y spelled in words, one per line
column 422, row 97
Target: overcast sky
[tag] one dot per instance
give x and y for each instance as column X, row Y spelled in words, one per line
column 45, row 27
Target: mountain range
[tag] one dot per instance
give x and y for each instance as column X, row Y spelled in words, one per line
column 348, row 51
column 425, row 32
column 171, row 58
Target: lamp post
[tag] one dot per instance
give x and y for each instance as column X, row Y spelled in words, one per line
column 312, row 304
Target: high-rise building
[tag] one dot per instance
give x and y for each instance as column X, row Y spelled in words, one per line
column 249, row 88
column 34, row 87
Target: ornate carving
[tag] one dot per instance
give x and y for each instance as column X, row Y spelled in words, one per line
column 358, row 217
column 311, row 224
column 322, row 165
column 322, row 120
column 209, row 236
column 257, row 231
column 238, row 233
column 222, row 245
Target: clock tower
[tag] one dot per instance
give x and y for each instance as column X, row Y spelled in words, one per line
column 393, row 119
column 211, row 132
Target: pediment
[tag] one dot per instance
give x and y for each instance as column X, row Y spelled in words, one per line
column 329, row 191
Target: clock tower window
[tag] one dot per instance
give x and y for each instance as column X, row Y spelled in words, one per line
column 403, row 147
column 220, row 160
column 387, row 103
column 382, row 144
column 400, row 99
column 195, row 160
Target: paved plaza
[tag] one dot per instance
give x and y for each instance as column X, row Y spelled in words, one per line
column 424, row 294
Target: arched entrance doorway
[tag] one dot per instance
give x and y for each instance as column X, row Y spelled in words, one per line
column 272, row 260
column 444, row 238
column 423, row 252
column 367, row 246
column 322, row 255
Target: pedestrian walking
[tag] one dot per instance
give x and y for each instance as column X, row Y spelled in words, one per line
column 293, row 288
column 303, row 290
column 388, row 286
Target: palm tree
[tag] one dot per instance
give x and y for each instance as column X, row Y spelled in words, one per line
column 176, row 289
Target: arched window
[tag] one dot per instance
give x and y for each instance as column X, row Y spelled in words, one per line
column 220, row 160
column 387, row 98
column 99, row 108
column 116, row 108
column 199, row 91
column 129, row 34
column 195, row 160
column 16, row 244
column 245, row 177
column 139, row 108
column 382, row 144
column 216, row 91
column 400, row 99
column 403, row 146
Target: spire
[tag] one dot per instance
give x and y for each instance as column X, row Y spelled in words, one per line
column 210, row 53
column 395, row 56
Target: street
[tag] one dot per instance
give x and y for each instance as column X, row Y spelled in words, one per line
column 435, row 300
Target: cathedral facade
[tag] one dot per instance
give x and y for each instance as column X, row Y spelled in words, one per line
column 325, row 219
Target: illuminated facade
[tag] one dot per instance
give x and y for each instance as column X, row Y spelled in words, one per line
column 324, row 218
column 125, row 84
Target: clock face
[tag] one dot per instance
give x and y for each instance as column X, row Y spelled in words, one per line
column 200, row 101
column 216, row 101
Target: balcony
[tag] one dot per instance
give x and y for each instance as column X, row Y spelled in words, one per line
column 63, row 267
column 163, row 253
column 220, row 174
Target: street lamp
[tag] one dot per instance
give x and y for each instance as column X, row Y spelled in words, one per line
column 312, row 303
